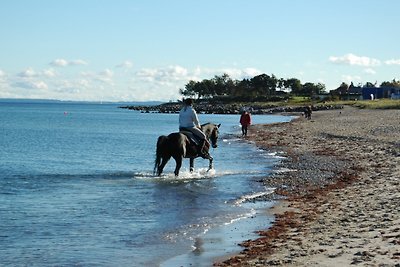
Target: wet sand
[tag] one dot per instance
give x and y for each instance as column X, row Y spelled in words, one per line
column 341, row 189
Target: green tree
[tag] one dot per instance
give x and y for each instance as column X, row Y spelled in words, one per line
column 281, row 84
column 244, row 89
column 223, row 85
column 259, row 87
column 343, row 88
column 393, row 83
column 370, row 85
column 206, row 88
column 312, row 89
column 190, row 89
column 264, row 85
column 294, row 85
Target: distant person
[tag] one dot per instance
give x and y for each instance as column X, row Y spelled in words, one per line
column 308, row 112
column 188, row 121
column 245, row 121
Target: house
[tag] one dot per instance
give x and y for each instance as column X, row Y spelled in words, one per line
column 380, row 92
column 349, row 93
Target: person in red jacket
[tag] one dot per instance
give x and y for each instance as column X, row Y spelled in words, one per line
column 245, row 121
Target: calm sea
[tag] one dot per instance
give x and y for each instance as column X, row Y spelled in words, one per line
column 76, row 188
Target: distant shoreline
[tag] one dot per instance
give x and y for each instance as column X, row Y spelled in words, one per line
column 97, row 102
column 221, row 108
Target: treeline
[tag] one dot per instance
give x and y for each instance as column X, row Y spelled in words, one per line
column 393, row 83
column 259, row 88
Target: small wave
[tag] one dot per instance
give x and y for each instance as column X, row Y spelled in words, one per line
column 283, row 170
column 254, row 196
column 231, row 140
column 251, row 213
column 184, row 175
column 276, row 155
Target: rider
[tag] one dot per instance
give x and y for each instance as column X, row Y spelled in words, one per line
column 188, row 121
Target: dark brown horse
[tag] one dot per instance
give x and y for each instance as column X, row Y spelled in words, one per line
column 179, row 146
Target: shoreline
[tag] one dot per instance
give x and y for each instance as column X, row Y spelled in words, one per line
column 341, row 193
column 207, row 107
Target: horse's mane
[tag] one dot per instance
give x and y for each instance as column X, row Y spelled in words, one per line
column 208, row 127
column 204, row 124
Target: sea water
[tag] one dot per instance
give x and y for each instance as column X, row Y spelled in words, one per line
column 77, row 188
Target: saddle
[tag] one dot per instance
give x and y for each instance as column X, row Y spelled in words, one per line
column 193, row 139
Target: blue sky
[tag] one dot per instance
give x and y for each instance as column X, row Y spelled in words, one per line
column 124, row 50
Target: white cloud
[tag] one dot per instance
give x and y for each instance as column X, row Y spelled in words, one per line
column 3, row 79
column 234, row 73
column 392, row 62
column 63, row 63
column 105, row 76
column 147, row 74
column 239, row 74
column 59, row 63
column 29, row 72
column 28, row 84
column 49, row 73
column 351, row 59
column 71, row 87
column 77, row 62
column 107, row 73
column 126, row 65
column 40, row 85
column 162, row 83
column 164, row 75
column 370, row 71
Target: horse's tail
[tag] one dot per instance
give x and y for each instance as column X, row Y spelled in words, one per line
column 161, row 144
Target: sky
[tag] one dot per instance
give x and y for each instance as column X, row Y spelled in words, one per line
column 142, row 50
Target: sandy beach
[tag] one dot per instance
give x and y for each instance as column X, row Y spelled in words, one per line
column 341, row 187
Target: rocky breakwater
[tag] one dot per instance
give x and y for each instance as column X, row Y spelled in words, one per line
column 223, row 108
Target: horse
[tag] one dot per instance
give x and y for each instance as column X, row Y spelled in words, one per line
column 178, row 146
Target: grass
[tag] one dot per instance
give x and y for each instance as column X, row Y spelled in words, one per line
column 370, row 104
column 305, row 101
column 378, row 104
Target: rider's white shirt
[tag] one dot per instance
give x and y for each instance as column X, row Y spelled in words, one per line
column 188, row 118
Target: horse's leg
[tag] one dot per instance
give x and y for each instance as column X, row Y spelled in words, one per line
column 162, row 165
column 191, row 164
column 178, row 165
column 210, row 165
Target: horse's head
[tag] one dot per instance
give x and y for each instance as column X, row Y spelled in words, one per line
column 211, row 131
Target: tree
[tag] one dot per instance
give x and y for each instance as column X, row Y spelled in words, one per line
column 206, row 88
column 260, row 87
column 190, row 89
column 370, row 85
column 393, row 83
column 294, row 85
column 311, row 89
column 223, row 84
column 264, row 85
column 243, row 89
column 343, row 88
column 281, row 84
